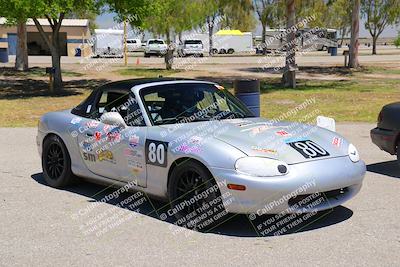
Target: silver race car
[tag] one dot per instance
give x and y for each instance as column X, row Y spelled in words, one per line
column 193, row 144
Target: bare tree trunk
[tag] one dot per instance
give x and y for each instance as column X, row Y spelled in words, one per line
column 343, row 35
column 56, row 64
column 210, row 23
column 54, row 45
column 169, row 55
column 289, row 74
column 374, row 39
column 21, row 60
column 263, row 39
column 355, row 29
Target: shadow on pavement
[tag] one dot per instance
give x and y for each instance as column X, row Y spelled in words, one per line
column 388, row 168
column 236, row 225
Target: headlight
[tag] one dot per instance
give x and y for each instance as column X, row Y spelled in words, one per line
column 353, row 153
column 258, row 166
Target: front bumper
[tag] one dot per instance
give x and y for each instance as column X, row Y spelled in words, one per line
column 384, row 139
column 273, row 195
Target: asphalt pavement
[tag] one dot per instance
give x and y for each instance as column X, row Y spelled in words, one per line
column 43, row 226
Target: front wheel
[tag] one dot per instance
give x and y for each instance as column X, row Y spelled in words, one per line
column 56, row 163
column 195, row 198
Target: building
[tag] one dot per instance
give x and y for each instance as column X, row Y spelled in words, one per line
column 74, row 34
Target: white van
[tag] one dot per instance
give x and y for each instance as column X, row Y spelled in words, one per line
column 133, row 45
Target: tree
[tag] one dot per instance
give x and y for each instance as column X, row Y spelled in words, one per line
column 235, row 14
column 213, row 9
column 16, row 13
column 55, row 11
column 355, row 29
column 379, row 14
column 397, row 41
column 238, row 15
column 269, row 15
column 289, row 74
column 172, row 17
column 339, row 17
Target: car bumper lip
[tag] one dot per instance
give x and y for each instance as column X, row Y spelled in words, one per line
column 272, row 195
column 384, row 139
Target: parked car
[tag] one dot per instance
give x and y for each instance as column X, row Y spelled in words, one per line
column 387, row 133
column 191, row 48
column 193, row 144
column 133, row 45
column 155, row 47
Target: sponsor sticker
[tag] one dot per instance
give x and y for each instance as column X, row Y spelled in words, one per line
column 106, row 155
column 92, row 124
column 114, row 136
column 188, row 149
column 87, row 146
column 133, row 141
column 136, row 167
column 195, row 140
column 282, row 133
column 97, row 135
column 89, row 157
column 76, row 120
column 265, row 150
column 294, row 139
column 133, row 153
column 106, row 128
column 336, row 141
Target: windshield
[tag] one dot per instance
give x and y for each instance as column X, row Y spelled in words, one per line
column 191, row 102
column 156, row 42
column 193, row 42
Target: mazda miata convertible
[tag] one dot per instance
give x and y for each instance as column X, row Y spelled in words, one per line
column 193, row 144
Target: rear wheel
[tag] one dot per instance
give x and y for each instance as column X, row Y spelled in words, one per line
column 56, row 163
column 194, row 193
column 231, row 51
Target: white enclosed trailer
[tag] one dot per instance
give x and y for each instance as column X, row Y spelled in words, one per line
column 232, row 41
column 225, row 41
column 109, row 42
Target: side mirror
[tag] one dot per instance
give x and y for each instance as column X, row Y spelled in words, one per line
column 113, row 118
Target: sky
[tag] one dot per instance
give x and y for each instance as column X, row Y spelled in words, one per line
column 106, row 20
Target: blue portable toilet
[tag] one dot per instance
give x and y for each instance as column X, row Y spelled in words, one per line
column 3, row 55
column 248, row 91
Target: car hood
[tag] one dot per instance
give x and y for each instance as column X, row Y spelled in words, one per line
column 264, row 138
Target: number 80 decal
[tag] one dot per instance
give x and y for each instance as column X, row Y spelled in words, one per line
column 309, row 149
column 156, row 152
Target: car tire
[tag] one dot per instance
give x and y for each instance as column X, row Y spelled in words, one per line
column 214, row 51
column 231, row 51
column 146, row 55
column 222, row 51
column 190, row 179
column 56, row 163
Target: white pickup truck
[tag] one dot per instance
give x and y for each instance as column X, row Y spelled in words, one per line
column 155, row 47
